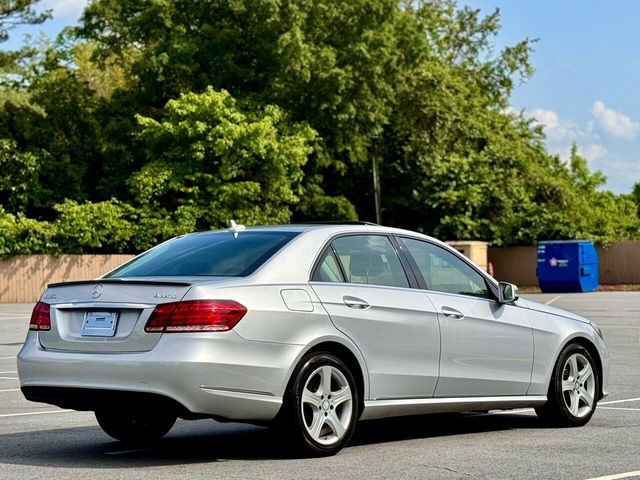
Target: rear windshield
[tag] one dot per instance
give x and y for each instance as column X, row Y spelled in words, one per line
column 207, row 254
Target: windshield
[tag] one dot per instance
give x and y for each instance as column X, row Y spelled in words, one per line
column 206, row 254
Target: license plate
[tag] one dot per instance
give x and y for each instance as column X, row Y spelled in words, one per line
column 99, row 324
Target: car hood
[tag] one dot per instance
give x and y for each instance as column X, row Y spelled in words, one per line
column 539, row 307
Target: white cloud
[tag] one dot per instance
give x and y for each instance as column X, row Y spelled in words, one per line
column 68, row 10
column 614, row 123
column 556, row 129
column 621, row 173
column 561, row 134
column 592, row 151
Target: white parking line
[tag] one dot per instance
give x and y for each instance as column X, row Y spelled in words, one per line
column 617, row 476
column 553, row 300
column 620, row 408
column 8, row 358
column 8, row 371
column 10, row 390
column 4, row 415
column 9, row 378
column 611, row 402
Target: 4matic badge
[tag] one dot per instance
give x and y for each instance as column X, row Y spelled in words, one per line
column 165, row 295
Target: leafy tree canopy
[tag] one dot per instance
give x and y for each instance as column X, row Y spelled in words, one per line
column 153, row 118
column 12, row 14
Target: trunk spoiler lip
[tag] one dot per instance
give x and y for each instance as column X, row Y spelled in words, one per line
column 121, row 281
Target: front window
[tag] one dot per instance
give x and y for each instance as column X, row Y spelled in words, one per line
column 445, row 272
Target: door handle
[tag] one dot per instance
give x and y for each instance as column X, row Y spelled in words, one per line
column 355, row 302
column 452, row 313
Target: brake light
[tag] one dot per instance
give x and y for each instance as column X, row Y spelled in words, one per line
column 40, row 317
column 195, row 316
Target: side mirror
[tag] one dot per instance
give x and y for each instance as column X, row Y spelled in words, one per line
column 507, row 292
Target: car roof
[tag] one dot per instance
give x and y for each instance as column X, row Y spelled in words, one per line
column 326, row 228
column 294, row 263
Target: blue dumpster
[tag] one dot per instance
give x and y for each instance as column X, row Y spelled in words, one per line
column 567, row 266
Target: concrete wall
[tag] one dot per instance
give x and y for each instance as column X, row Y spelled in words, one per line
column 23, row 278
column 618, row 264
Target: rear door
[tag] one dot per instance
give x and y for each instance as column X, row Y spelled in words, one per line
column 487, row 347
column 368, row 294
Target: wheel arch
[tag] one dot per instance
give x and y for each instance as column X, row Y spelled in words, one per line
column 593, row 351
column 349, row 354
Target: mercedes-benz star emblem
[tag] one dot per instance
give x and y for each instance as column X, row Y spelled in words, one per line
column 97, row 290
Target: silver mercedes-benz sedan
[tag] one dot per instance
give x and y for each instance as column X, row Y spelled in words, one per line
column 307, row 328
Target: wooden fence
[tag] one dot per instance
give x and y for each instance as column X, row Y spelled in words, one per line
column 23, row 278
column 618, row 264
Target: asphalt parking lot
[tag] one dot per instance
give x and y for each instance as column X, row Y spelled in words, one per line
column 40, row 441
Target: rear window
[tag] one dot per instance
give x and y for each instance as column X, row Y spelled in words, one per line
column 207, row 254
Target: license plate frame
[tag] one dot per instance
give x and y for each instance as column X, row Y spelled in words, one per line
column 99, row 324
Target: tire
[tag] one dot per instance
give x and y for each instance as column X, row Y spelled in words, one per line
column 313, row 421
column 136, row 427
column 573, row 390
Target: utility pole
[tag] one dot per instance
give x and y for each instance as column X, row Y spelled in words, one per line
column 377, row 198
column 376, row 189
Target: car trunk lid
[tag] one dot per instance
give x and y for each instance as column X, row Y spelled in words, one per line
column 109, row 315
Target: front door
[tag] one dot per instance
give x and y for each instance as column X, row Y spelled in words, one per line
column 486, row 346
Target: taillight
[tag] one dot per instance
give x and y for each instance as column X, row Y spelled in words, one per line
column 195, row 316
column 40, row 317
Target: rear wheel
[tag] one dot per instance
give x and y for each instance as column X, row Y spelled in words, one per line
column 136, row 426
column 321, row 406
column 573, row 392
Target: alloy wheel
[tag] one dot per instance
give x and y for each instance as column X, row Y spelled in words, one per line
column 327, row 405
column 578, row 385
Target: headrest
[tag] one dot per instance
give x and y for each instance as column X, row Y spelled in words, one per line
column 366, row 264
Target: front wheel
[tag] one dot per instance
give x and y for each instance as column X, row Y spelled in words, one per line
column 573, row 392
column 321, row 406
column 135, row 427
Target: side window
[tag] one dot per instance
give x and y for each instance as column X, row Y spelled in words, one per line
column 445, row 272
column 370, row 259
column 328, row 269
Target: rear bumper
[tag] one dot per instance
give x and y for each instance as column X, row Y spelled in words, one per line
column 214, row 374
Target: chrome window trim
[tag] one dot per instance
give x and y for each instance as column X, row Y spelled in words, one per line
column 491, row 282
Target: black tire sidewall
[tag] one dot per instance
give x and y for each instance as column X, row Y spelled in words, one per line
column 294, row 398
column 126, row 428
column 556, row 395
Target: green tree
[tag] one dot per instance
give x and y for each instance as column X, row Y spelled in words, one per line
column 635, row 195
column 19, row 12
column 333, row 65
column 12, row 14
column 54, row 123
column 18, row 169
column 128, row 117
column 222, row 160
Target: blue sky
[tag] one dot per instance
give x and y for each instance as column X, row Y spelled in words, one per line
column 586, row 85
column 65, row 12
